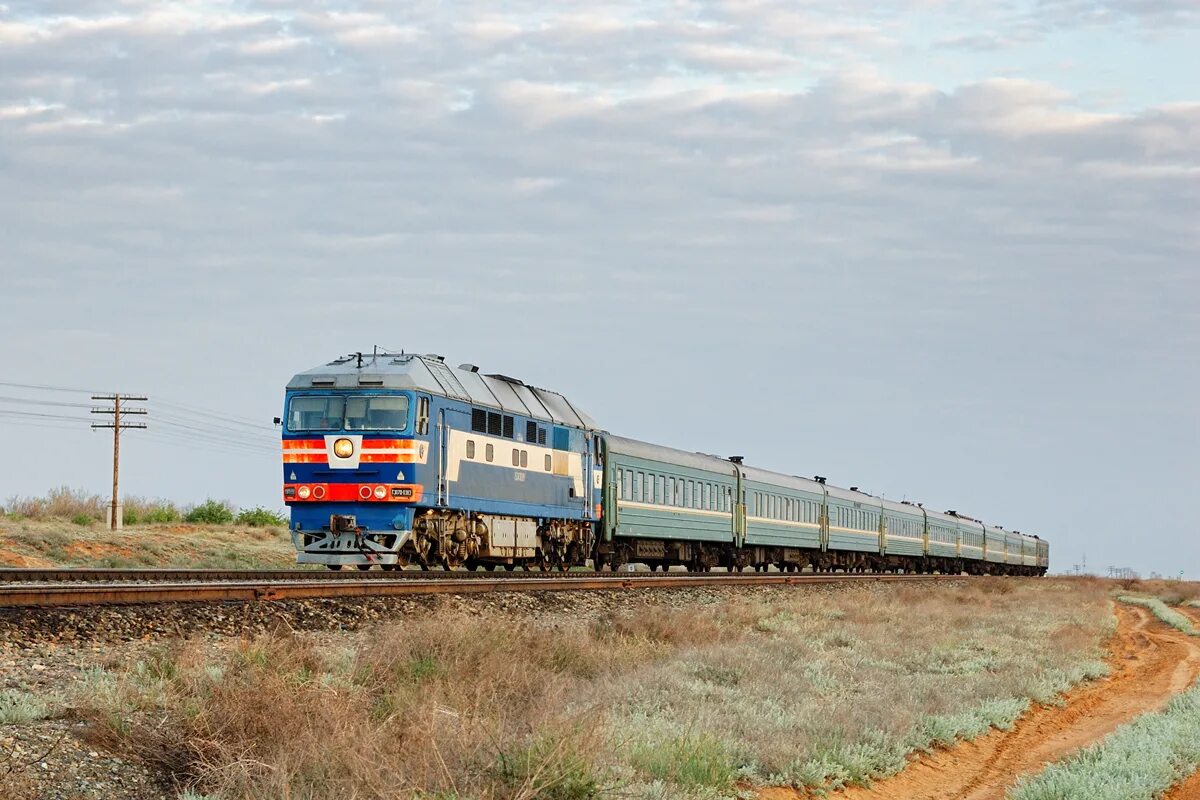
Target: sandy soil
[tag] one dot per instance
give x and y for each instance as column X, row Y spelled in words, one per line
column 1188, row 790
column 1150, row 662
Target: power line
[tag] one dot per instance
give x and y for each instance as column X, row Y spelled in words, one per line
column 201, row 438
column 226, row 436
column 44, row 388
column 246, row 421
column 33, row 401
column 183, row 440
column 208, row 426
column 42, row 415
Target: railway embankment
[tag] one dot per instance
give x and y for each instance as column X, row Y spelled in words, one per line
column 688, row 693
column 59, row 542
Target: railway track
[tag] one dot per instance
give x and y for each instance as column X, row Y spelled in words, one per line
column 107, row 587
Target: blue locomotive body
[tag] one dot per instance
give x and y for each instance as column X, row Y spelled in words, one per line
column 392, row 459
column 397, row 459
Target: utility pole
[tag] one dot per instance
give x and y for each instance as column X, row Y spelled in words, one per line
column 117, row 425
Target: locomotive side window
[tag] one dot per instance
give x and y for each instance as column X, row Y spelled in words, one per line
column 322, row 413
column 548, row 464
column 422, row 415
column 470, row 448
column 524, row 458
column 516, row 457
column 489, row 452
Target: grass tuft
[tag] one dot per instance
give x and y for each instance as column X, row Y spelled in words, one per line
column 1139, row 761
column 1163, row 612
column 17, row 707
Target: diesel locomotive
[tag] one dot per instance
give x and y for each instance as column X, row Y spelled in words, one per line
column 397, row 459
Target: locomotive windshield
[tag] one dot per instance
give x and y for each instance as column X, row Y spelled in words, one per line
column 348, row 412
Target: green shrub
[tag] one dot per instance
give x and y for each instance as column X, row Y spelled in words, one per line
column 550, row 769
column 83, row 520
column 162, row 513
column 260, row 518
column 17, row 707
column 687, row 760
column 210, row 512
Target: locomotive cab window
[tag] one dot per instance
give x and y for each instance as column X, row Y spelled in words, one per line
column 322, row 413
column 378, row 413
column 349, row 412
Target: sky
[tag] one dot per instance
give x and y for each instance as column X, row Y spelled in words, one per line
column 947, row 252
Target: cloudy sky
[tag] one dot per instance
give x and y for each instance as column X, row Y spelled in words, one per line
column 945, row 251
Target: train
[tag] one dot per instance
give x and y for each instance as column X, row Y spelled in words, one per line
column 399, row 459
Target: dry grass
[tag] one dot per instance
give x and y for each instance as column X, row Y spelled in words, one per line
column 51, row 543
column 1173, row 593
column 807, row 688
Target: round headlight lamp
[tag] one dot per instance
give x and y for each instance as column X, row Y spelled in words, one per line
column 343, row 448
column 303, row 492
column 380, row 492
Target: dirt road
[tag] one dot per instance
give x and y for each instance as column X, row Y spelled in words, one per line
column 1150, row 663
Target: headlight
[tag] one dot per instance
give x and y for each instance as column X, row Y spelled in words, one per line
column 343, row 448
column 303, row 492
column 380, row 492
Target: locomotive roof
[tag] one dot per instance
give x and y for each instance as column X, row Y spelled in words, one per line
column 430, row 373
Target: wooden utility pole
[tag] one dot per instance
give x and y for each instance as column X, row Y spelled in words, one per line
column 117, row 426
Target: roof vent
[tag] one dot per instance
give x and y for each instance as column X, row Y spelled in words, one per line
column 468, row 368
column 736, row 459
column 507, row 379
column 322, row 381
column 952, row 513
column 819, row 479
column 435, row 357
column 854, row 488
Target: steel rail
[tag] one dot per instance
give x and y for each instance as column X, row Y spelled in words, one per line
column 57, row 595
column 159, row 575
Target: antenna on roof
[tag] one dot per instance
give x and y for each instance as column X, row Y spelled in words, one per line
column 359, row 360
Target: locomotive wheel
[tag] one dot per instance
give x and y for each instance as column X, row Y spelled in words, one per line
column 334, row 567
column 363, row 567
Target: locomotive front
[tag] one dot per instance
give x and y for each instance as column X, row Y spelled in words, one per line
column 353, row 469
